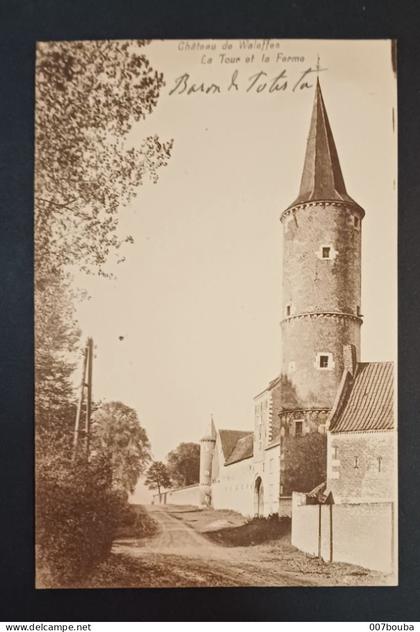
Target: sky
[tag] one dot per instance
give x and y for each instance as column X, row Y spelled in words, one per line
column 197, row 301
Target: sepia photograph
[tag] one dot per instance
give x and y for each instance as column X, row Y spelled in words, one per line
column 216, row 313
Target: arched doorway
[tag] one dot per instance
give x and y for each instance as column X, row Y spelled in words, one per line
column 259, row 497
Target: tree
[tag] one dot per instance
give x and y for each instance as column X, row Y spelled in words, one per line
column 117, row 434
column 157, row 477
column 56, row 341
column 305, row 461
column 88, row 96
column 184, row 464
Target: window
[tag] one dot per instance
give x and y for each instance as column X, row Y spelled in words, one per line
column 356, row 463
column 335, row 452
column 356, row 221
column 358, row 310
column 379, row 463
column 326, row 252
column 323, row 361
column 288, row 309
column 298, row 428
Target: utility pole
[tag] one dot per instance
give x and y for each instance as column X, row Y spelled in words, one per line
column 89, row 347
column 85, row 388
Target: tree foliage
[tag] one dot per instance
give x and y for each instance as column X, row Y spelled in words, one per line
column 157, row 476
column 88, row 96
column 76, row 518
column 118, row 435
column 184, row 464
column 305, row 461
column 56, row 342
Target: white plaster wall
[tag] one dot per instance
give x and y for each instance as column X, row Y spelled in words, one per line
column 184, row 496
column 304, row 524
column 363, row 534
column 234, row 488
column 271, row 480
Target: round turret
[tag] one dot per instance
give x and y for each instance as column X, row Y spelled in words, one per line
column 207, row 445
column 321, row 274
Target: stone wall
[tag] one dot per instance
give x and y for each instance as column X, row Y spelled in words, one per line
column 303, row 339
column 311, row 283
column 321, row 299
column 361, row 466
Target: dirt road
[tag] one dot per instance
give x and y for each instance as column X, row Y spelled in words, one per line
column 179, row 556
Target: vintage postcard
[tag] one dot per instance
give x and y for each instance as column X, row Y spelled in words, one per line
column 216, row 290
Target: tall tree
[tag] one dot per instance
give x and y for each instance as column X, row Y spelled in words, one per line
column 118, row 435
column 305, row 462
column 157, row 477
column 56, row 339
column 88, row 97
column 184, row 464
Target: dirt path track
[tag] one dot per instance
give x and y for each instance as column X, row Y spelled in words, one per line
column 183, row 557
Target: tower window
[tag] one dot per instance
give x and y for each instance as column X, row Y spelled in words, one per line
column 358, row 312
column 323, row 361
column 326, row 252
column 356, row 463
column 288, row 309
column 335, row 452
column 356, row 222
column 298, row 428
column 379, row 463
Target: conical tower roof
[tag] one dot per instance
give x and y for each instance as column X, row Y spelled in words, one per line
column 322, row 179
column 210, row 434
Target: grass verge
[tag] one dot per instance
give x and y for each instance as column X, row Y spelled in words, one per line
column 255, row 531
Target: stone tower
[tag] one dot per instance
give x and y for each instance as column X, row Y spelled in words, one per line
column 207, row 445
column 321, row 279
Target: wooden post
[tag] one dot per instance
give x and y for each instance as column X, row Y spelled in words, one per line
column 319, row 530
column 89, row 350
column 393, row 556
column 331, row 532
column 79, row 406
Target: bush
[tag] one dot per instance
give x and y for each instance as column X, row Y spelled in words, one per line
column 254, row 531
column 77, row 515
column 135, row 522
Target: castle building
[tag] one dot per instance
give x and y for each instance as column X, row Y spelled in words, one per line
column 321, row 315
column 323, row 446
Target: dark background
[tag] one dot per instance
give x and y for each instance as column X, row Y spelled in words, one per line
column 22, row 23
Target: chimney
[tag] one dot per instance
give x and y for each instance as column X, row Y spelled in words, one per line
column 350, row 358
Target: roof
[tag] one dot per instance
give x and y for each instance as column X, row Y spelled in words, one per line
column 243, row 449
column 210, row 434
column 320, row 495
column 365, row 402
column 322, row 179
column 229, row 439
column 270, row 387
